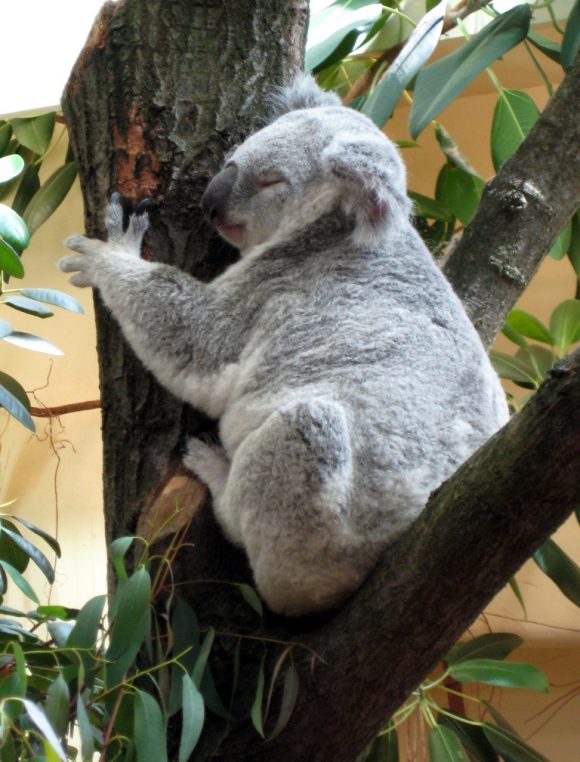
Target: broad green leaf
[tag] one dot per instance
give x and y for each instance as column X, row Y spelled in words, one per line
column 50, row 541
column 33, row 343
column 471, row 736
column 85, row 730
column 441, row 82
column 10, row 263
column 149, row 729
column 287, row 702
column 462, row 193
column 10, row 167
column 202, row 657
column 510, row 746
column 560, row 247
column 529, row 326
column 571, row 41
column 512, row 369
column 416, row 51
column 537, row 360
column 258, row 704
column 445, row 746
column 560, row 568
column 56, row 612
column 29, row 306
column 38, row 717
column 492, row 645
column 34, row 132
column 193, row 717
column 9, row 550
column 27, row 187
column 514, row 336
column 452, row 150
column 385, row 748
column 13, row 228
column 11, row 399
column 32, row 552
column 500, row 673
column 51, row 296
column 252, row 598
column 49, row 196
column 565, row 324
column 84, row 634
column 423, row 206
column 514, row 116
column 19, row 581
column 56, row 705
column 548, row 47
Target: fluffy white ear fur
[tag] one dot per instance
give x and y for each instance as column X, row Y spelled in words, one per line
column 302, row 93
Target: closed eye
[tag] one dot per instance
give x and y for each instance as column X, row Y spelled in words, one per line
column 270, row 182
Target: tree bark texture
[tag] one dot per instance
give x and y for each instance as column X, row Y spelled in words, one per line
column 159, row 94
column 522, row 210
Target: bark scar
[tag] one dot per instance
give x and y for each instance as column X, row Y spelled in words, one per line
column 137, row 165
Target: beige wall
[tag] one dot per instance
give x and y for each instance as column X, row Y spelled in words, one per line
column 55, row 476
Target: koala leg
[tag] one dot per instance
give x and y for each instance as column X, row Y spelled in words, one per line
column 289, row 491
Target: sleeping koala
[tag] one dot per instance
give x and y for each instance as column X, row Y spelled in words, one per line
column 346, row 377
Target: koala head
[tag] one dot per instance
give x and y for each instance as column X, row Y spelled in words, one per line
column 315, row 156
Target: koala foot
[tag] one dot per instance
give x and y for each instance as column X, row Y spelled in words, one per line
column 131, row 237
column 80, row 264
column 210, row 463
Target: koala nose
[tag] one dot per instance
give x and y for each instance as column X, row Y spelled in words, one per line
column 215, row 198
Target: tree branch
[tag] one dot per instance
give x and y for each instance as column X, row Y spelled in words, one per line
column 522, row 211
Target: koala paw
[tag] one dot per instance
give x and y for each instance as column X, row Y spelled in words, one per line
column 82, row 263
column 129, row 237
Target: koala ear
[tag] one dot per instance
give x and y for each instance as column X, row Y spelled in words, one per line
column 302, row 93
column 372, row 176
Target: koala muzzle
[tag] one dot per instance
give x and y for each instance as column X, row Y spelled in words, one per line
column 214, row 201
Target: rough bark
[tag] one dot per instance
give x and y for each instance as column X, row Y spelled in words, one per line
column 159, row 94
column 522, row 210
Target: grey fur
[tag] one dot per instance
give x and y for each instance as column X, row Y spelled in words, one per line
column 346, row 377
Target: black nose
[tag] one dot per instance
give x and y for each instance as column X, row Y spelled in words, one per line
column 215, row 199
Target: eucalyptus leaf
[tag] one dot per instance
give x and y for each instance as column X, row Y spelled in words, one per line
column 492, row 645
column 511, row 747
column 13, row 228
column 288, row 700
column 201, row 661
column 19, row 581
column 149, row 729
column 35, row 132
column 326, row 52
column 133, row 604
column 10, row 167
column 441, row 82
column 10, row 263
column 256, row 713
column 85, row 730
column 33, row 343
column 571, row 41
column 252, row 598
column 193, row 717
column 50, row 541
column 499, row 673
column 471, row 736
column 565, row 324
column 51, row 296
column 32, row 552
column 11, row 551
column 415, row 53
column 49, row 196
column 514, row 116
column 560, row 568
column 445, row 746
column 548, row 47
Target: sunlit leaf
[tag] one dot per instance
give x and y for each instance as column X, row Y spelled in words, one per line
column 500, row 673
column 10, row 167
column 571, row 41
column 514, row 116
column 12, row 399
column 149, row 729
column 492, row 645
column 340, row 43
column 193, row 717
column 441, row 82
column 529, row 326
column 13, row 228
column 445, row 746
column 565, row 324
column 10, row 263
column 49, row 196
column 34, row 132
column 33, row 343
column 51, row 296
column 462, row 193
column 560, row 568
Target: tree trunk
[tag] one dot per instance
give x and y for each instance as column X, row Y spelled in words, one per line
column 160, row 92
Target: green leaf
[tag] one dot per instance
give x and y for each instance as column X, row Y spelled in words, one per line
column 257, row 706
column 560, row 247
column 29, row 306
column 445, row 746
column 511, row 748
column 529, row 326
column 13, row 228
column 27, row 187
column 33, row 343
column 56, row 705
column 14, row 399
column 514, row 116
column 117, row 551
column 560, row 568
column 84, row 634
column 49, row 196
column 5, row 135
column 492, row 645
column 438, row 84
column 502, row 674
column 423, row 206
column 34, row 132
column 515, row 588
column 574, row 247
column 514, row 336
column 9, row 550
column 512, row 369
column 149, row 729
column 85, row 730
column 471, row 736
column 565, row 324
column 452, row 150
column 38, row 717
column 537, row 361
column 385, row 748
column 287, row 702
column 462, row 193
column 338, row 44
column 32, row 552
column 19, row 581
column 201, row 661
column 546, row 45
column 193, row 717
column 10, row 263
column 571, row 41
column 50, row 541
column 10, row 167
column 416, row 51
column 252, row 598
column 51, row 296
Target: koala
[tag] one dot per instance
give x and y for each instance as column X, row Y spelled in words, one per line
column 346, row 377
